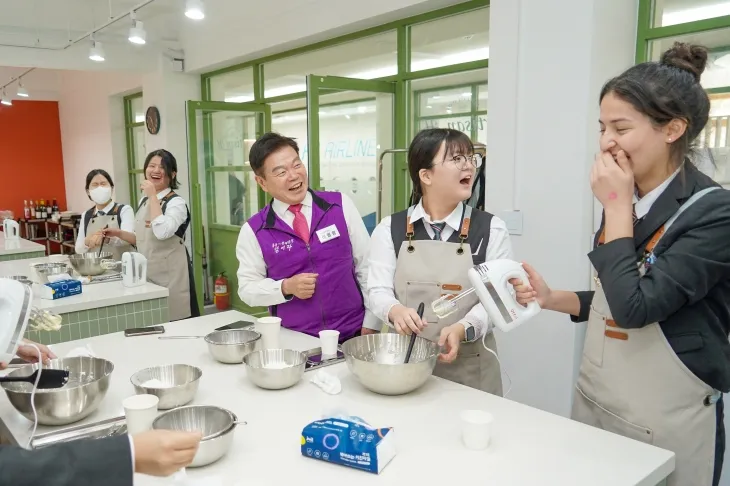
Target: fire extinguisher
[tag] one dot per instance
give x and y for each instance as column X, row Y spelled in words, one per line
column 222, row 297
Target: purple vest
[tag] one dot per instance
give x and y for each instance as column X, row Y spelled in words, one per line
column 337, row 302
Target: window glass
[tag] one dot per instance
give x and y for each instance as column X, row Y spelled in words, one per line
column 368, row 58
column 673, row 12
column 233, row 87
column 450, row 40
column 137, row 110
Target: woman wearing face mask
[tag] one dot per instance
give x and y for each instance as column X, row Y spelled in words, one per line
column 436, row 241
column 655, row 358
column 106, row 219
column 162, row 220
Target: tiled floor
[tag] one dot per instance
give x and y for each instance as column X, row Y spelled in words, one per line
column 105, row 320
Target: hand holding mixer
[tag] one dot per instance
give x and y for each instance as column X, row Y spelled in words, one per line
column 490, row 281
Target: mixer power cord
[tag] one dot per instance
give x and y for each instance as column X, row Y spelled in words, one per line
column 35, row 387
column 502, row 368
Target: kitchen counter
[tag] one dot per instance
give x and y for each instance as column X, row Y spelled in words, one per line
column 19, row 249
column 100, row 308
column 529, row 446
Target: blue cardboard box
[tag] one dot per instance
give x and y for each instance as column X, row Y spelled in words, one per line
column 60, row 289
column 349, row 442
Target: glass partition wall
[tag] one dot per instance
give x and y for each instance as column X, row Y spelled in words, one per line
column 346, row 101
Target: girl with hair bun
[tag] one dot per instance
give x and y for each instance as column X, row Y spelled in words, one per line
column 656, row 357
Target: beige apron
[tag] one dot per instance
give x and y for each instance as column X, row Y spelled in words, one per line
column 167, row 263
column 632, row 383
column 425, row 270
column 110, row 220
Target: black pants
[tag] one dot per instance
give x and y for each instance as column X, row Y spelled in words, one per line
column 719, row 440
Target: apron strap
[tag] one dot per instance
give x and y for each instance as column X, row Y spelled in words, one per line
column 464, row 233
column 663, row 229
column 409, row 230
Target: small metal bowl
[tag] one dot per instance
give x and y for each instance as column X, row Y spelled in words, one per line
column 275, row 369
column 90, row 264
column 216, row 424
column 180, row 384
column 231, row 346
column 45, row 270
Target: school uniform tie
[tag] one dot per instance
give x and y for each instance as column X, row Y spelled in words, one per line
column 633, row 214
column 300, row 222
column 100, row 213
column 437, row 228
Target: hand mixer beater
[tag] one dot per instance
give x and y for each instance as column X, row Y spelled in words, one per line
column 490, row 281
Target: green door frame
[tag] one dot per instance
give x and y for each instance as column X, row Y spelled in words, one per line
column 316, row 85
column 263, row 124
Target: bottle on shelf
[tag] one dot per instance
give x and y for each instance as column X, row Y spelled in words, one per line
column 32, row 210
column 49, row 210
column 41, row 211
column 26, row 210
column 55, row 213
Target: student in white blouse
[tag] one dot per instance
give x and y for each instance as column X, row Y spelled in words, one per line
column 436, row 241
column 162, row 220
column 108, row 219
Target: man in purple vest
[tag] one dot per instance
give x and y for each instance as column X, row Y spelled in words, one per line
column 305, row 254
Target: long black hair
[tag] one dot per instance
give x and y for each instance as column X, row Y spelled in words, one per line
column 424, row 147
column 667, row 90
column 169, row 164
column 90, row 176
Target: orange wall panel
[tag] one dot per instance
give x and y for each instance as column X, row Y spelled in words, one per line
column 31, row 159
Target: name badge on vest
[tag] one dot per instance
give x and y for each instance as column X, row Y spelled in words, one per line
column 328, row 233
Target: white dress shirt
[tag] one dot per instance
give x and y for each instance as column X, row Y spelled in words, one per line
column 382, row 262
column 126, row 215
column 256, row 290
column 165, row 225
column 644, row 204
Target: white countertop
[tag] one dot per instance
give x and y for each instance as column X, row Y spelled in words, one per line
column 529, row 446
column 13, row 247
column 92, row 296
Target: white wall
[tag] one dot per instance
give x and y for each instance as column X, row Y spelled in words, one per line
column 92, row 125
column 545, row 73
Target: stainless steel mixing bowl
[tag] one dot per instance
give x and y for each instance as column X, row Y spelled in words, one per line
column 179, row 384
column 45, row 270
column 231, row 346
column 275, row 369
column 216, row 424
column 377, row 360
column 87, row 385
column 90, row 264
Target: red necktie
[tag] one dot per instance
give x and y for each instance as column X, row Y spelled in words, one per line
column 300, row 222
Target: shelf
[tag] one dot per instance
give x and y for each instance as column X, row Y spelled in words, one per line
column 55, row 241
column 68, row 245
column 68, row 225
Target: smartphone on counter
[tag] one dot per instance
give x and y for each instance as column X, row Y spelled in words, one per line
column 235, row 325
column 142, row 331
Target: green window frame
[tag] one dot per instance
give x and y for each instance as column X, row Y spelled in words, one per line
column 474, row 112
column 404, row 116
column 129, row 125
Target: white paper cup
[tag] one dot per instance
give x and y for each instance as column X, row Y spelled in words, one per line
column 476, row 427
column 269, row 328
column 140, row 411
column 328, row 342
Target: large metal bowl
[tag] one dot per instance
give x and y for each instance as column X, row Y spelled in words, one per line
column 275, row 369
column 232, row 345
column 45, row 270
column 87, row 385
column 89, row 264
column 377, row 360
column 216, row 424
column 179, row 384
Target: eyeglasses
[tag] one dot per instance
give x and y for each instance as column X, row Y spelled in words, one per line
column 461, row 161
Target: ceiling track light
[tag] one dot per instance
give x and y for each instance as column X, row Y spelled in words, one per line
column 96, row 53
column 194, row 9
column 137, row 34
column 22, row 92
column 5, row 100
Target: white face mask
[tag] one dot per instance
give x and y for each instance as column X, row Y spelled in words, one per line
column 101, row 194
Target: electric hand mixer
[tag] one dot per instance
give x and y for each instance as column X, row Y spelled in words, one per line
column 490, row 281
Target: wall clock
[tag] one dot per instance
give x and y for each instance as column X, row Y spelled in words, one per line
column 152, row 120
